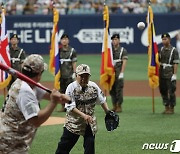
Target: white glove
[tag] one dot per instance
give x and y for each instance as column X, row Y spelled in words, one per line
column 174, row 77
column 121, row 76
column 73, row 76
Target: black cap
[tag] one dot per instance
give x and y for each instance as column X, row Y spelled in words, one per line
column 64, row 36
column 165, row 35
column 14, row 36
column 115, row 36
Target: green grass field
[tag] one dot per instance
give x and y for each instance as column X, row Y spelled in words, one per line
column 136, row 67
column 138, row 125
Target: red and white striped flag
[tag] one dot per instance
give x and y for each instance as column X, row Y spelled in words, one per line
column 5, row 78
column 107, row 68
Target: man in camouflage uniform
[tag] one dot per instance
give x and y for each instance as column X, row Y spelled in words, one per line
column 68, row 59
column 17, row 55
column 21, row 114
column 81, row 120
column 169, row 60
column 120, row 58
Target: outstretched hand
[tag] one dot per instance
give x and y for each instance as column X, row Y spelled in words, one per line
column 57, row 97
column 64, row 99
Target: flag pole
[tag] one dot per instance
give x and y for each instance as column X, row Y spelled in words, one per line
column 153, row 108
column 105, row 91
column 153, row 103
column 152, row 44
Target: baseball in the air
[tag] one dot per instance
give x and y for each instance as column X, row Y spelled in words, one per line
column 141, row 25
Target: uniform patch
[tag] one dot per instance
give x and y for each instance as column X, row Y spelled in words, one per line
column 30, row 108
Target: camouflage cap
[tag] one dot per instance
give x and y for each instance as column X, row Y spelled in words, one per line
column 83, row 68
column 14, row 36
column 34, row 62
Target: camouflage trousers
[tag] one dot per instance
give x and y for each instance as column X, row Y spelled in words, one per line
column 64, row 82
column 117, row 91
column 167, row 89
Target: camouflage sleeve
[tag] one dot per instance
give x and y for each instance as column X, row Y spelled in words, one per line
column 159, row 54
column 74, row 56
column 101, row 97
column 23, row 56
column 175, row 57
column 125, row 54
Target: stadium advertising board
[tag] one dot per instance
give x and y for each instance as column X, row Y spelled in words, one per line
column 86, row 31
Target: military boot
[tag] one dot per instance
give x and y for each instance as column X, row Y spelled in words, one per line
column 118, row 108
column 114, row 107
column 166, row 111
column 171, row 110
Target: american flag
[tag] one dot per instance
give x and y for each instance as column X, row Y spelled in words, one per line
column 4, row 52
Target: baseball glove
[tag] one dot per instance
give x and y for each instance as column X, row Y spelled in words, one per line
column 111, row 120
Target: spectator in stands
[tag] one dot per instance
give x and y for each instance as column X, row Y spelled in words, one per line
column 28, row 9
column 114, row 7
column 98, row 7
column 77, row 8
column 172, row 7
column 11, row 7
column 90, row 7
column 61, row 6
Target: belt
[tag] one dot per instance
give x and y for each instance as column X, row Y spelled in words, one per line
column 116, row 61
column 15, row 60
column 164, row 65
column 65, row 60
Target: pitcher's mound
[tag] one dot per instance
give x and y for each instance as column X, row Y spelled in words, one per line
column 54, row 121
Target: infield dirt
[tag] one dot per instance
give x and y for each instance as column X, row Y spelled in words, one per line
column 133, row 88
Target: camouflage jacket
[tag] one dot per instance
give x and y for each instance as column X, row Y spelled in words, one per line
column 167, row 58
column 118, row 55
column 17, row 57
column 67, row 57
column 85, row 101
